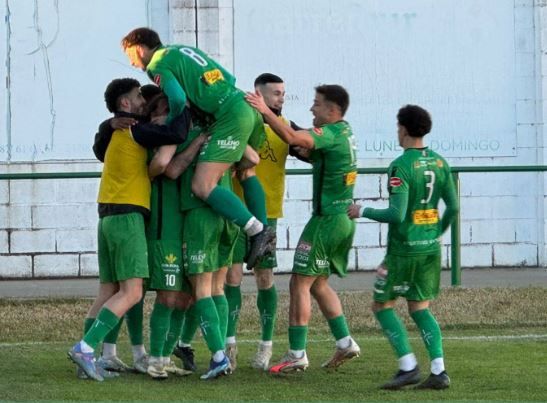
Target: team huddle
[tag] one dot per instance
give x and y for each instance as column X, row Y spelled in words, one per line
column 190, row 194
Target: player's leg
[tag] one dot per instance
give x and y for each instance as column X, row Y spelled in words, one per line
column 229, row 137
column 122, row 247
column 160, row 320
column 266, row 303
column 134, row 319
column 181, row 304
column 425, row 288
column 183, row 349
column 330, row 250
column 299, row 316
column 232, row 290
column 329, row 303
column 202, row 231
column 389, row 276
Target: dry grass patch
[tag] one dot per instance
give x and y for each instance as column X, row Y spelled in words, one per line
column 62, row 319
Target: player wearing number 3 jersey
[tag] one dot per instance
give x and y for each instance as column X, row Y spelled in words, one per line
column 189, row 77
column 417, row 181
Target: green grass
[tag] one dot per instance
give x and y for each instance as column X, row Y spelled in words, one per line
column 492, row 370
column 490, row 355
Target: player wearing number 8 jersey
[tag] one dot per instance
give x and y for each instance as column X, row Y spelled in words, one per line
column 417, row 181
column 188, row 76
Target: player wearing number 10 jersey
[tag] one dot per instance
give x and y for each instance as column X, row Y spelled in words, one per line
column 417, row 181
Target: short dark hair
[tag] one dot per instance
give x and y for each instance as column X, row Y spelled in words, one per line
column 150, row 91
column 141, row 36
column 335, row 94
column 116, row 89
column 267, row 78
column 415, row 119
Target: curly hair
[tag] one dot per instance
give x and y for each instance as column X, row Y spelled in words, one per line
column 116, row 89
column 415, row 119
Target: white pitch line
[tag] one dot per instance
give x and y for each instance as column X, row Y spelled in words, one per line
column 245, row 341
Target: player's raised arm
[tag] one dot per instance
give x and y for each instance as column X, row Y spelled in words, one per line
column 290, row 136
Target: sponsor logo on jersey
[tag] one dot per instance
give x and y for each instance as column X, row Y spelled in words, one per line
column 424, row 217
column 318, row 131
column 212, row 76
column 157, row 79
column 170, row 258
column 198, row 257
column 395, row 182
column 322, row 263
column 228, row 144
column 350, row 177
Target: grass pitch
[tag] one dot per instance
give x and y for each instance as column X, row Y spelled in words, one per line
column 495, row 346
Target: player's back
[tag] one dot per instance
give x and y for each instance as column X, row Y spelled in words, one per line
column 206, row 83
column 424, row 174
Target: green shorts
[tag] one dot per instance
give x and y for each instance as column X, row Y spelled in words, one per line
column 122, row 248
column 208, row 241
column 237, row 124
column 165, row 262
column 324, row 245
column 242, row 248
column 416, row 278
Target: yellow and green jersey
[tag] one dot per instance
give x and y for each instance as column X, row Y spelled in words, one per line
column 334, row 168
column 187, row 73
column 124, row 180
column 271, row 172
column 425, row 177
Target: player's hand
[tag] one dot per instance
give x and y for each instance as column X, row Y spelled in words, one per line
column 354, row 210
column 203, row 138
column 122, row 123
column 257, row 101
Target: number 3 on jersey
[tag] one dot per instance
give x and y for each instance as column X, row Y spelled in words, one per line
column 429, row 185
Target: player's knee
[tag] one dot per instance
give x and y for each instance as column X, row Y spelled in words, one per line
column 201, row 189
column 264, row 279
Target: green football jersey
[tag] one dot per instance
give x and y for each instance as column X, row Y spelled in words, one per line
column 426, row 177
column 188, row 200
column 334, row 168
column 205, row 83
column 165, row 218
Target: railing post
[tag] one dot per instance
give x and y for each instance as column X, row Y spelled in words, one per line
column 455, row 248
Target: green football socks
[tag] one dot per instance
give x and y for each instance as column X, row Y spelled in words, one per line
column 159, row 326
column 227, row 204
column 233, row 295
column 266, row 303
column 394, row 330
column 430, row 331
column 255, row 198
column 222, row 309
column 106, row 321
column 175, row 328
column 298, row 337
column 209, row 324
column 339, row 327
column 190, row 325
column 134, row 320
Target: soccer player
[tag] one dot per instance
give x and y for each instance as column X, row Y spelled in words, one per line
column 271, row 173
column 188, row 74
column 164, row 236
column 208, row 243
column 411, row 269
column 324, row 245
column 124, row 201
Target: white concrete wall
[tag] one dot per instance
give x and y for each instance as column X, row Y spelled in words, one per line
column 57, row 71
